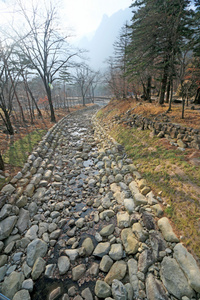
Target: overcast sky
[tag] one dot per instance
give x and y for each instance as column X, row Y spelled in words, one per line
column 83, row 16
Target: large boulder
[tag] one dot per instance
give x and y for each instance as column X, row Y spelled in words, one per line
column 12, row 284
column 6, row 227
column 129, row 241
column 37, row 248
column 174, row 279
column 117, row 271
column 188, row 265
column 167, row 231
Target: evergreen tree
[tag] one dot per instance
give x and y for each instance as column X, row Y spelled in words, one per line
column 159, row 30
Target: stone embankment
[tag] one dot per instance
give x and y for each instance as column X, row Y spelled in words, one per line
column 161, row 126
column 79, row 222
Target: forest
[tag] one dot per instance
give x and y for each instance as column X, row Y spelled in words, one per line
column 158, row 54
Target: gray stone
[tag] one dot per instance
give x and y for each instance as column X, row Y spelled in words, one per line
column 139, row 199
column 133, row 188
column 189, row 266
column 22, row 201
column 78, row 271
column 101, row 249
column 5, row 211
column 157, row 210
column 2, row 272
column 65, row 297
column 102, row 289
column 55, row 293
column 94, row 269
column 106, row 213
column 106, row 203
column 154, row 289
column 105, row 263
column 26, row 270
column 117, row 271
column 129, row 241
column 167, row 231
column 88, row 245
column 33, row 208
column 107, row 230
column 31, row 234
column 55, row 234
column 35, row 249
column 72, row 254
column 139, row 232
column 63, row 264
column 39, row 194
column 22, row 295
column 116, row 251
column 129, row 291
column 9, row 188
column 3, row 260
column 47, row 174
column 12, row 284
column 79, row 223
column 148, row 220
column 174, row 279
column 23, row 221
column 38, row 268
column 157, row 242
column 132, row 270
column 6, row 227
column 146, row 259
column 28, row 285
column 86, row 294
column 30, row 190
column 129, row 205
column 118, row 290
column 123, row 220
column 49, row 270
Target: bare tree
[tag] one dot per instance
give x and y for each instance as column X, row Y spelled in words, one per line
column 6, row 89
column 45, row 47
column 84, row 78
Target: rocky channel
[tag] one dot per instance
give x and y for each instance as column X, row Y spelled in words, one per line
column 79, row 222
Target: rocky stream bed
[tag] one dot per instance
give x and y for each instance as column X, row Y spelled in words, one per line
column 79, row 222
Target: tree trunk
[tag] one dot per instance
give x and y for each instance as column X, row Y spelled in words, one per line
column 35, row 103
column 168, row 91
column 7, row 122
column 197, row 97
column 148, row 89
column 163, row 84
column 183, row 108
column 171, row 95
column 2, row 167
column 53, row 118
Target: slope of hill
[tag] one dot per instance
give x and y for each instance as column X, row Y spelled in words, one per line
column 100, row 47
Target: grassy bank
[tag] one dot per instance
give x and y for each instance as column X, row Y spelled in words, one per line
column 167, row 170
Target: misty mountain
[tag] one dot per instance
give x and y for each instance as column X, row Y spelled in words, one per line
column 100, row 46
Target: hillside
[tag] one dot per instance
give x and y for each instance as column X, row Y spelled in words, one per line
column 100, row 47
column 172, row 172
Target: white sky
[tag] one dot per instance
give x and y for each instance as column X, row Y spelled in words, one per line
column 82, row 16
column 85, row 15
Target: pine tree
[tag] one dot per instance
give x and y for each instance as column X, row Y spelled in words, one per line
column 159, row 30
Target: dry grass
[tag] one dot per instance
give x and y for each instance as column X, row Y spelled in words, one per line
column 150, row 110
column 166, row 169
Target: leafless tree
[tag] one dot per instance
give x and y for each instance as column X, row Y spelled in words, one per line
column 44, row 46
column 84, row 77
